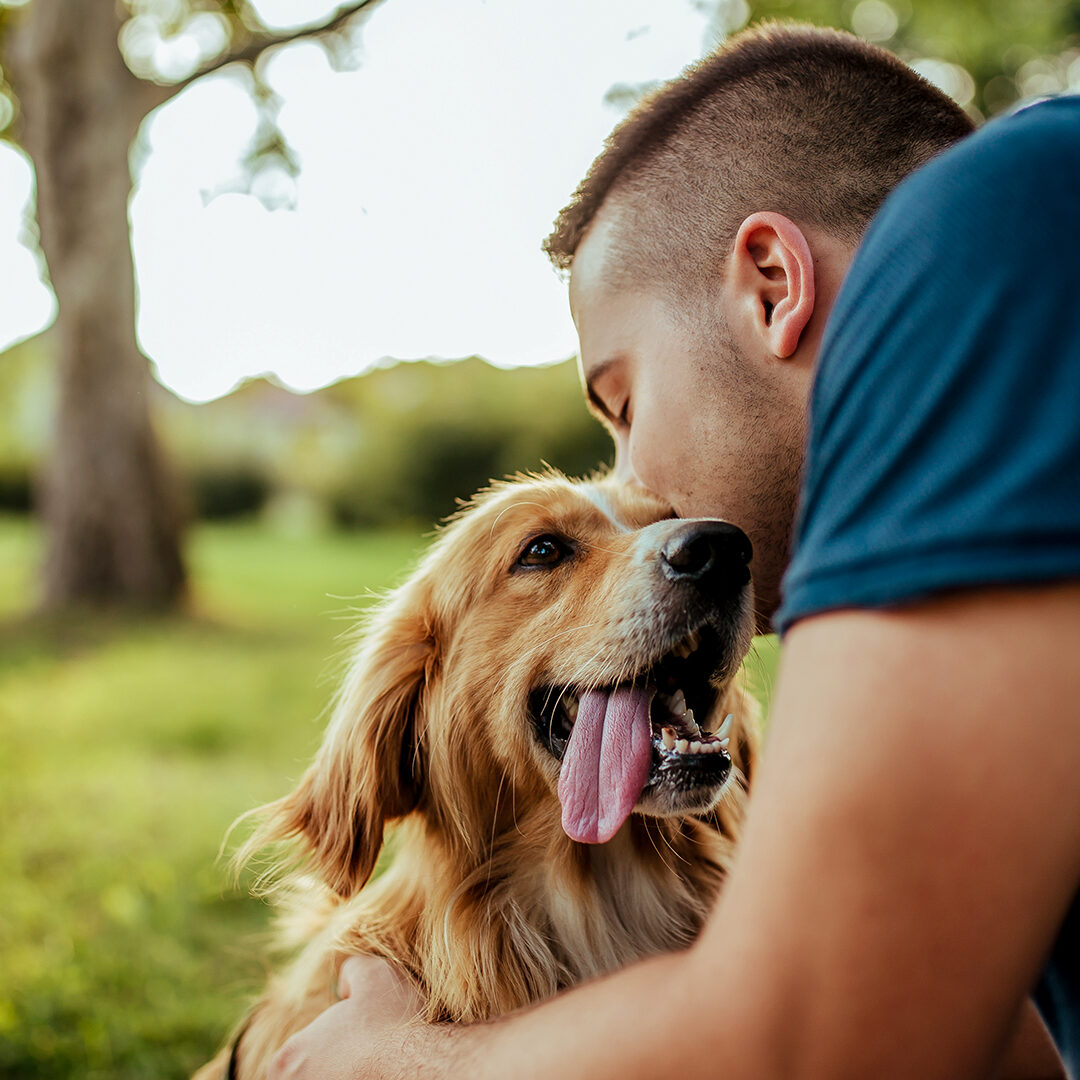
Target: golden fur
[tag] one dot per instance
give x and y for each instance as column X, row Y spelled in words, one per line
column 486, row 903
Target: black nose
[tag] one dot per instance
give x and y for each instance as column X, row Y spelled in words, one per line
column 707, row 552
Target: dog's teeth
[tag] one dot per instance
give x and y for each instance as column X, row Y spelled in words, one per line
column 682, row 745
column 691, row 723
column 695, row 747
column 667, row 735
column 724, row 743
column 570, row 704
column 725, row 727
column 693, row 641
column 678, row 703
column 682, row 650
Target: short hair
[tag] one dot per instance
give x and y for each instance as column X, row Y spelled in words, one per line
column 815, row 124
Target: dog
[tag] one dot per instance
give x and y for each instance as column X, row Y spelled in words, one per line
column 551, row 711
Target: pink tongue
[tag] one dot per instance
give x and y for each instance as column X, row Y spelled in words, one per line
column 606, row 762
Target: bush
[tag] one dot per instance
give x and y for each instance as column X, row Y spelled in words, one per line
column 451, row 461
column 222, row 493
column 16, row 490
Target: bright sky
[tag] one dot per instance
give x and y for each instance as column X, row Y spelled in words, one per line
column 430, row 174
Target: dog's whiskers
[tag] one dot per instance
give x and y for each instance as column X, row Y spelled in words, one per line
column 754, row 658
column 582, row 667
column 513, row 811
column 652, row 841
column 494, row 826
column 671, row 847
column 611, row 551
column 512, row 506
column 542, row 645
column 497, row 689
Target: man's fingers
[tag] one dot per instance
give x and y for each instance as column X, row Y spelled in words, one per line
column 380, row 987
column 375, row 1000
column 319, row 1050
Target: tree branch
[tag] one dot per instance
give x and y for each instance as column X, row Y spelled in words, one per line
column 251, row 50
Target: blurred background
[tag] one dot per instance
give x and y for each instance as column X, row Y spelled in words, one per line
column 271, row 299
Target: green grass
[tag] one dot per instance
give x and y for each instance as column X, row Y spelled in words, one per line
column 127, row 747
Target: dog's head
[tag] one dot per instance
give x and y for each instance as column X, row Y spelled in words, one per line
column 565, row 650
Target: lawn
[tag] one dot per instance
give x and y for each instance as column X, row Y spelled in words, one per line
column 127, row 747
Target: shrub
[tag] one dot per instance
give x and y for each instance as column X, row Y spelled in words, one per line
column 224, row 492
column 16, row 490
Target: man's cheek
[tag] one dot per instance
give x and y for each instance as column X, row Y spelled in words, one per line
column 701, row 493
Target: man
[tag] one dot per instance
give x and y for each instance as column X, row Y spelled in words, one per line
column 913, row 843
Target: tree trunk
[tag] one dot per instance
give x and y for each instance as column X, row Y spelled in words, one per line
column 111, row 514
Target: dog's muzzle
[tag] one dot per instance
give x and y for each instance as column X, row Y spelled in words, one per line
column 645, row 741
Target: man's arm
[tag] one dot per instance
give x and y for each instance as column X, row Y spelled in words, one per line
column 1031, row 1054
column 911, row 848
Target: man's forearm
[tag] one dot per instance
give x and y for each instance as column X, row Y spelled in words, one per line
column 621, row 1026
column 634, row 1023
column 628, row 1025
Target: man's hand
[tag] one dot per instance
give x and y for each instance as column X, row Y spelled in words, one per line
column 376, row 1000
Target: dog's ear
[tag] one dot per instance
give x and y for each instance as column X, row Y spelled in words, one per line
column 369, row 768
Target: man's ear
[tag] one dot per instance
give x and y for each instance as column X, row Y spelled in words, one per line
column 770, row 274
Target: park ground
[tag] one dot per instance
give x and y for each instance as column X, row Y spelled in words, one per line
column 127, row 748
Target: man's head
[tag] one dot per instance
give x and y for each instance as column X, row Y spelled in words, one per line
column 705, row 247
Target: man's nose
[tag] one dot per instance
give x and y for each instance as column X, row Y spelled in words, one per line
column 624, row 471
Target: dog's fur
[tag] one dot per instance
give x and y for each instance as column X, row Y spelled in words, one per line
column 487, row 904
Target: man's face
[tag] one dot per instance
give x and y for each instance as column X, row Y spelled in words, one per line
column 689, row 419
column 644, row 380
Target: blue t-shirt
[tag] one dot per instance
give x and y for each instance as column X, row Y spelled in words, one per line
column 944, row 445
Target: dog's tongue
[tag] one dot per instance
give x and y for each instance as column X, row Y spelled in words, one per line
column 606, row 762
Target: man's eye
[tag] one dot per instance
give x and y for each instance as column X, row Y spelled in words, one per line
column 543, row 551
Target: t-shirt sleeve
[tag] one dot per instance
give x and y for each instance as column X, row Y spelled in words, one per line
column 944, row 446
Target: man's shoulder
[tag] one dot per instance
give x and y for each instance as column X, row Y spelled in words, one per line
column 985, row 229
column 1037, row 143
column 944, row 449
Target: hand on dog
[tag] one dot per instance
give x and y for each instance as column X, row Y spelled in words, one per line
column 345, row 1041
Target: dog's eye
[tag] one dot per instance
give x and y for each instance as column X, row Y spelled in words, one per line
column 543, row 551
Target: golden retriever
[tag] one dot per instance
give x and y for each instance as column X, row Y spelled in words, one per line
column 550, row 708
